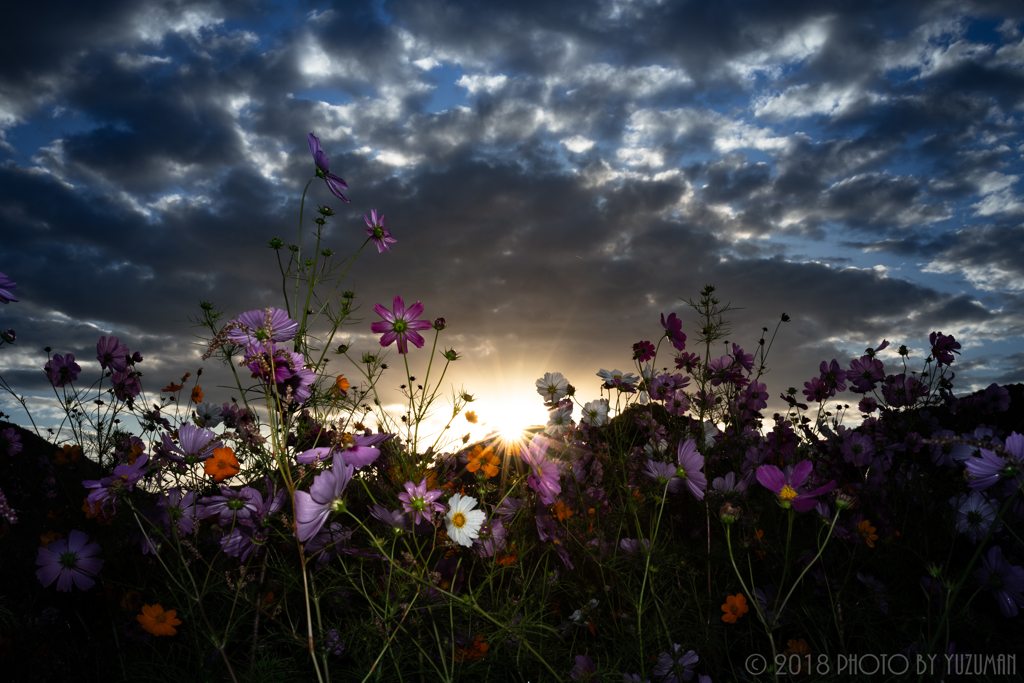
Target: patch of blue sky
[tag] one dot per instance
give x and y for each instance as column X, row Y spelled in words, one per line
column 380, row 12
column 51, row 124
column 446, row 94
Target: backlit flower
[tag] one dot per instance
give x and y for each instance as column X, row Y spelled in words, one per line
column 787, row 488
column 354, row 449
column 380, row 235
column 62, row 370
column 10, row 442
column 664, row 474
column 974, row 515
column 325, row 496
column 195, row 444
column 284, row 368
column 400, row 325
column 643, row 351
column 268, row 324
column 595, row 413
column 471, row 417
column 484, row 460
column 158, row 622
column 943, row 348
column 111, row 354
column 209, row 415
column 6, row 285
column 543, row 476
column 1006, row 581
column 552, row 386
column 69, row 561
column 462, row 521
column 735, row 607
column 616, row 378
column 323, row 169
column 689, row 464
column 419, row 502
column 674, row 331
column 222, row 464
column 559, row 420
column 677, row 666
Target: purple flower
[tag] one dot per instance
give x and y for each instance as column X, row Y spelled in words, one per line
column 664, row 474
column 196, row 444
column 400, row 325
column 283, row 367
column 900, row 390
column 674, row 331
column 232, row 506
column 864, row 373
column 632, row 545
column 832, row 377
column 380, row 235
column 5, row 510
column 943, row 348
column 323, row 169
column 126, row 384
column 787, row 488
column 867, row 405
column 6, row 285
column 394, row 519
column 176, row 508
column 1006, row 581
column 816, row 390
column 355, row 450
column 728, row 485
column 677, row 666
column 10, row 442
column 112, row 354
column 61, row 370
column 69, row 560
column 271, row 324
column 325, row 496
column 974, row 515
column 985, row 471
column 419, row 502
column 755, row 397
column 690, row 463
column 123, row 478
column 746, row 360
column 543, row 477
column 584, row 669
column 643, row 351
column 858, row 449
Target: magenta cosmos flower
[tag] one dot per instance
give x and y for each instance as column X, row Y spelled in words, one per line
column 325, row 496
column 355, row 450
column 543, row 477
column 62, row 370
column 286, row 368
column 788, row 488
column 323, row 169
column 6, row 285
column 380, row 235
column 69, row 560
column 674, row 331
column 690, row 462
column 401, row 325
column 419, row 502
column 196, row 444
column 261, row 325
column 112, row 354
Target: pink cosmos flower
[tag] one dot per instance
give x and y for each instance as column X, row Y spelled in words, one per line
column 355, row 450
column 323, row 169
column 543, row 477
column 674, row 331
column 271, row 324
column 643, row 351
column 62, row 370
column 401, row 325
column 69, row 561
column 788, row 488
column 111, row 354
column 196, row 444
column 419, row 502
column 380, row 235
column 943, row 348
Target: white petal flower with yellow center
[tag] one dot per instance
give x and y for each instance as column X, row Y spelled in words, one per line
column 462, row 520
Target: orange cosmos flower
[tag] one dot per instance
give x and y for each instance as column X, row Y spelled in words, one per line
column 505, row 558
column 471, row 417
column 172, row 388
column 197, row 394
column 735, row 607
column 95, row 511
column 562, row 511
column 485, row 459
column 341, row 385
column 68, row 455
column 868, row 532
column 158, row 622
column 222, row 465
column 474, row 653
column 802, row 650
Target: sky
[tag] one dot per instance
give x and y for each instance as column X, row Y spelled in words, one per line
column 557, row 175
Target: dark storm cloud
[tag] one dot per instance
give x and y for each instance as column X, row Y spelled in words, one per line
column 591, row 164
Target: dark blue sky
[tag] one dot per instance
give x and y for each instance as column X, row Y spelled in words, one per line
column 557, row 175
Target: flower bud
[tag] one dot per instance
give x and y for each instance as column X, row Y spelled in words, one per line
column 325, row 211
column 844, row 500
column 276, row 243
column 729, row 513
column 440, row 324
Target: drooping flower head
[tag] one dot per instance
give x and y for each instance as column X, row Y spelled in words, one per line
column 268, row 324
column 674, row 331
column 400, row 325
column 380, row 235
column 196, row 444
column 552, row 386
column 68, row 561
column 111, row 354
column 543, row 476
column 690, row 463
column 283, row 367
column 419, row 502
column 462, row 521
column 6, row 285
column 62, row 370
column 788, row 488
column 326, row 495
column 323, row 169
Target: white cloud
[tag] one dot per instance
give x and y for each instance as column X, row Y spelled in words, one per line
column 791, row 48
column 807, row 100
column 482, row 83
column 577, row 143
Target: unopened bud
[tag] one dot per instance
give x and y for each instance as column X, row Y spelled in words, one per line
column 729, row 513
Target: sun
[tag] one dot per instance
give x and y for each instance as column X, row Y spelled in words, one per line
column 507, row 422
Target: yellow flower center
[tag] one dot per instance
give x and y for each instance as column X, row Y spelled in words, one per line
column 459, row 520
column 787, row 493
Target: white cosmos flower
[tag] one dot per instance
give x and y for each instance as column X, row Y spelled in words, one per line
column 559, row 420
column 552, row 386
column 595, row 413
column 609, row 377
column 462, row 520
